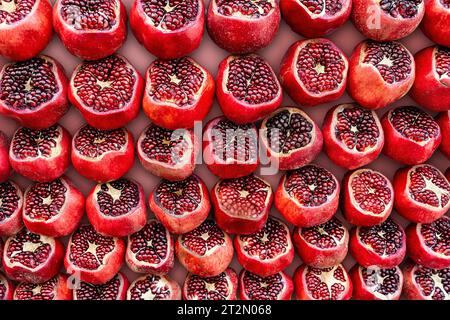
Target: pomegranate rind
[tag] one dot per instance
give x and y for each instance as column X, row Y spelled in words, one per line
column 162, row 282
column 8, row 288
column 284, row 294
column 121, row 293
column 436, row 279
column 435, row 22
column 231, row 286
column 14, row 223
column 443, row 119
column 61, row 290
column 5, row 167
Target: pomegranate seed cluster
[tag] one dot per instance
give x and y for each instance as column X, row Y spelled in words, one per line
column 89, row 15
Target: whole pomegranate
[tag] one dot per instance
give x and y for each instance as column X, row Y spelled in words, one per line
column 114, row 289
column 436, row 20
column 5, row 167
column 443, row 119
column 422, row 283
column 57, row 288
column 11, row 201
column 275, row 287
column 374, row 283
column 154, row 287
column 220, row 287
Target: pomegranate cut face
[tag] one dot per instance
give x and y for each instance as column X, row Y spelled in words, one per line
column 322, row 7
column 442, row 64
column 205, row 239
column 384, row 284
column 327, row 236
column 42, row 291
column 400, row 9
column 275, row 287
column 221, row 287
column 153, row 287
column 436, row 237
column 114, row 289
column 15, row 10
column 10, row 202
column 432, row 284
column 326, row 283
column 244, row 8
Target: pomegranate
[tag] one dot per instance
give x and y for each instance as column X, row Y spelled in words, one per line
column 30, row 21
column 92, row 257
column 387, row 20
column 275, row 287
column 443, row 119
column 57, row 288
column 374, row 283
column 322, row 246
column 383, row 245
column 422, row 193
column 107, row 92
column 90, row 30
column 205, row 251
column 436, row 20
column 242, row 205
column 230, row 150
column 308, row 196
column 322, row 283
column 291, row 138
column 114, row 289
column 177, row 93
column 353, row 136
column 1, row 250
column 220, row 287
column 380, row 73
column 243, row 26
column 154, row 287
column 168, row 154
column 411, row 135
column 117, row 208
column 53, row 209
column 33, row 92
column 422, row 283
column 11, row 201
column 181, row 206
column 168, row 29
column 314, row 72
column 151, row 249
column 247, row 88
column 31, row 257
column 6, row 288
column 5, row 167
column 367, row 197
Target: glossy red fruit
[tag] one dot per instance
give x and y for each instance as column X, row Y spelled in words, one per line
column 275, row 287
column 30, row 21
column 443, row 120
column 92, row 257
column 230, row 150
column 154, row 287
column 107, row 92
column 57, row 288
column 314, row 72
column 34, row 92
column 117, row 208
column 411, row 135
column 30, row 257
column 290, row 138
column 168, row 29
column 353, row 136
column 11, row 201
column 367, row 197
column 387, row 20
column 5, row 167
column 151, row 249
column 380, row 73
column 53, row 209
column 181, row 206
column 242, row 205
column 422, row 283
column 6, row 288
column 322, row 246
column 114, row 289
column 322, row 283
column 374, row 283
column 436, row 20
column 243, row 26
column 247, row 88
column 205, row 251
column 422, row 193
column 221, row 287
column 307, row 196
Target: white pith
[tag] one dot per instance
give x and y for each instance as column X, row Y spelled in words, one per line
column 379, row 280
column 328, row 279
column 445, row 79
column 123, row 148
column 149, row 295
column 8, row 7
column 19, row 203
column 418, row 231
column 437, row 281
column 240, row 16
column 338, row 241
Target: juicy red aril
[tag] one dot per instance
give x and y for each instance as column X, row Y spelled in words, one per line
column 150, row 243
column 204, row 238
column 170, row 14
column 28, row 249
column 320, row 282
column 324, row 236
column 433, row 283
column 317, row 6
column 89, row 14
column 445, row 3
column 428, row 186
column 118, row 197
column 263, row 288
column 12, row 11
column 45, row 200
column 381, row 281
column 31, row 291
column 371, row 191
column 401, row 8
column 443, row 63
column 107, row 291
column 3, row 287
column 208, row 288
column 28, row 143
column 384, row 239
column 414, row 124
column 436, row 236
column 153, row 286
column 252, row 9
column 9, row 200
column 93, row 143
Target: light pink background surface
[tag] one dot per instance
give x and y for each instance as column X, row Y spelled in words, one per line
column 209, row 56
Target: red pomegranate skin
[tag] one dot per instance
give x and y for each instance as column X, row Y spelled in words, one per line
column 5, row 167
column 443, row 119
column 57, row 288
column 436, row 21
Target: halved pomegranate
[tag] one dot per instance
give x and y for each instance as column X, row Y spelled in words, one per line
column 177, row 93
column 168, row 29
column 230, row 150
column 92, row 257
column 242, row 26
column 275, row 287
column 374, row 283
column 181, row 206
column 53, row 209
column 267, row 251
column 40, row 155
column 314, row 72
column 154, row 287
column 307, row 196
column 247, row 88
column 367, row 197
column 205, row 251
column 383, row 245
column 90, row 30
column 387, row 20
column 422, row 283
column 443, row 120
column 107, row 92
column 221, row 287
column 5, row 167
column 168, row 154
column 411, row 135
column 353, row 136
column 102, row 155
column 291, row 138
column 422, row 193
column 114, row 289
column 6, row 288
column 117, row 208
column 324, row 245
column 242, row 205
column 380, row 73
column 436, row 20
column 322, row 283
column 151, row 249
column 57, row 288
column 33, row 92
column 11, row 201
column 30, row 257
column 30, row 21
